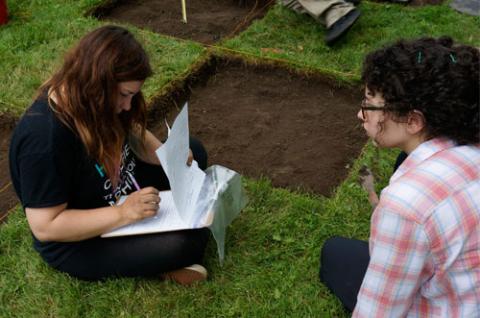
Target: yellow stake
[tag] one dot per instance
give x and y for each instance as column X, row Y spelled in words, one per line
column 184, row 11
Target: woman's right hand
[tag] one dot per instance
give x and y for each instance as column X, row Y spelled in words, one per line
column 59, row 224
column 140, row 204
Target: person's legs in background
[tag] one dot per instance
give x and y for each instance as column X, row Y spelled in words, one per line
column 337, row 15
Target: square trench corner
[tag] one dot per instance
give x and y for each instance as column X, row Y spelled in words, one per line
column 208, row 21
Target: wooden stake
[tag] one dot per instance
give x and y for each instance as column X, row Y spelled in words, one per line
column 184, row 11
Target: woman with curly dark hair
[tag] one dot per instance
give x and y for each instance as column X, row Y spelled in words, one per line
column 81, row 146
column 423, row 256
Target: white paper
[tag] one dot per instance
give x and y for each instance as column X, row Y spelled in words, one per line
column 197, row 199
column 166, row 219
column 185, row 181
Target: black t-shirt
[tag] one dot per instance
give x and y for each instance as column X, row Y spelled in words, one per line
column 49, row 166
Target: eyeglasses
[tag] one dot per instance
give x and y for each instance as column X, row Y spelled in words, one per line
column 367, row 106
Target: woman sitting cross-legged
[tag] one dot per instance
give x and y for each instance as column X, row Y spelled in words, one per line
column 423, row 256
column 79, row 147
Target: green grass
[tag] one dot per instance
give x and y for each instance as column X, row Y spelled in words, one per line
column 271, row 264
column 298, row 39
column 33, row 43
column 270, row 270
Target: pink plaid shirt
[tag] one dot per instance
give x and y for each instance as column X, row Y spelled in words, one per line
column 425, row 237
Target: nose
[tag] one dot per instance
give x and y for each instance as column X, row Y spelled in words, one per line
column 127, row 104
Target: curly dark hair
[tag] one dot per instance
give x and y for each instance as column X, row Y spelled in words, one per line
column 434, row 76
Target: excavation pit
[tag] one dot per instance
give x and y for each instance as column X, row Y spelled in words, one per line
column 262, row 121
column 208, row 21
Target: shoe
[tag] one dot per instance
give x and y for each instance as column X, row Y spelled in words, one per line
column 340, row 27
column 187, row 275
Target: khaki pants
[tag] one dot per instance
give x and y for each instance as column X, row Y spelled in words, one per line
column 326, row 12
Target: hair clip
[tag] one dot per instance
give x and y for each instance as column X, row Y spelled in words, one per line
column 452, row 57
column 419, row 57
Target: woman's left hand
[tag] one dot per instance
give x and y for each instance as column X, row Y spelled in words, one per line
column 190, row 157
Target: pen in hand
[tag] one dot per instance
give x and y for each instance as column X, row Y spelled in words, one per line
column 135, row 183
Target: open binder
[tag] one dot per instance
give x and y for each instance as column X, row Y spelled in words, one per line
column 210, row 198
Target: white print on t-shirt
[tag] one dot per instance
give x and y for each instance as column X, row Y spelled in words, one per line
column 125, row 185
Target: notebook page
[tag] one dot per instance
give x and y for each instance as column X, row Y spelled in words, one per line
column 185, row 181
column 166, row 219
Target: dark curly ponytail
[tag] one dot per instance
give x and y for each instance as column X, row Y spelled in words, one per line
column 434, row 76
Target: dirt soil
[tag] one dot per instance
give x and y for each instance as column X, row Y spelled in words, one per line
column 8, row 199
column 302, row 133
column 207, row 20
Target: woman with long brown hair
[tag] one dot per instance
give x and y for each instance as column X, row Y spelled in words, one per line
column 79, row 147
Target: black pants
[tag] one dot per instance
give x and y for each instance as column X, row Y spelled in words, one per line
column 344, row 262
column 140, row 255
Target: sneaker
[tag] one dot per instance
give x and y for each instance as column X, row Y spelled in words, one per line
column 187, row 275
column 340, row 27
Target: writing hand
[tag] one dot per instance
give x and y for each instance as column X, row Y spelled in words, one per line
column 140, row 204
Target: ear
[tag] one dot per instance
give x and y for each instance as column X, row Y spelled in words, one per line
column 416, row 122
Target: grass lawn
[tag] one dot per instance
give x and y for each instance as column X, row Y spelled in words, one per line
column 271, row 264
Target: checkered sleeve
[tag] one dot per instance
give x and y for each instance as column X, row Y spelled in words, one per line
column 398, row 251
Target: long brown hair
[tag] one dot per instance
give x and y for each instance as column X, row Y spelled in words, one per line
column 86, row 90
